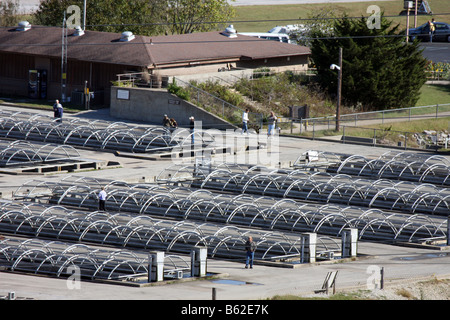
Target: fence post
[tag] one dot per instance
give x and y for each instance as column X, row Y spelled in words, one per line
column 343, row 134
column 374, row 137
column 314, row 129
column 437, row 110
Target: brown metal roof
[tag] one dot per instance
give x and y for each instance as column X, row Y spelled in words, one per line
column 143, row 51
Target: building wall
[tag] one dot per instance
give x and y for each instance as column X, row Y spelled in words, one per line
column 14, row 75
column 150, row 105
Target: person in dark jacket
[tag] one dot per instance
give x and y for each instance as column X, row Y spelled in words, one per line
column 58, row 111
column 166, row 121
column 250, row 247
column 192, row 127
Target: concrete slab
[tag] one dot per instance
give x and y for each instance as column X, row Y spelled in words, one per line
column 400, row 263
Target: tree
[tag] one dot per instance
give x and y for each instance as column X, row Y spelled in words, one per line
column 187, row 16
column 380, row 70
column 143, row 17
column 137, row 16
column 8, row 12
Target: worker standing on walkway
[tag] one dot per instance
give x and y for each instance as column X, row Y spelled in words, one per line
column 245, row 122
column 250, row 247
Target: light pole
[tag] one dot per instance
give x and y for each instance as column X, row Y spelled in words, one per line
column 84, row 15
column 338, row 106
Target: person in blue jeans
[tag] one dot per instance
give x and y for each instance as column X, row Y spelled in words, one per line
column 250, row 247
column 245, row 122
column 272, row 120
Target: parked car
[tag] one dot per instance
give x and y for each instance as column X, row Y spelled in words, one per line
column 441, row 33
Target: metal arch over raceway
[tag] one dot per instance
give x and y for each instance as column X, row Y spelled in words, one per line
column 243, row 210
column 141, row 232
column 103, row 135
column 58, row 259
column 24, row 152
column 323, row 187
column 406, row 166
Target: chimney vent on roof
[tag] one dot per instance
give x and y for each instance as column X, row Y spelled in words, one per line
column 230, row 32
column 23, row 26
column 127, row 36
column 78, row 31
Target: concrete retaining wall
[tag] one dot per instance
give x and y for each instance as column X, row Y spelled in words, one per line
column 150, row 105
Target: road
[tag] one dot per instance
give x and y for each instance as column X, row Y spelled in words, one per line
column 436, row 51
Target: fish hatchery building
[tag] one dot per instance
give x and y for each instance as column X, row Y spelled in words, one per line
column 31, row 58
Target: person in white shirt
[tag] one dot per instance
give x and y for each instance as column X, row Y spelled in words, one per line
column 245, row 121
column 102, row 200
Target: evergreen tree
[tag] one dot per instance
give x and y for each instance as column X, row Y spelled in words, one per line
column 379, row 69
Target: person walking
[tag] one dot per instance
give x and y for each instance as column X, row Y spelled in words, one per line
column 245, row 122
column 272, row 120
column 192, row 127
column 432, row 28
column 102, row 199
column 58, row 111
column 250, row 248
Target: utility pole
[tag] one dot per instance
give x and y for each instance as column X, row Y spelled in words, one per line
column 407, row 5
column 64, row 59
column 415, row 14
column 338, row 107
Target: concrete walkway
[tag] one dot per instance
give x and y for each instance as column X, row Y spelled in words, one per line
column 400, row 263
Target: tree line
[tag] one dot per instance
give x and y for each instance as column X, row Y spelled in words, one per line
column 143, row 17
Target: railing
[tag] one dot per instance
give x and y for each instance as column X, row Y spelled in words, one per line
column 392, row 138
column 299, row 126
column 142, row 79
column 218, row 106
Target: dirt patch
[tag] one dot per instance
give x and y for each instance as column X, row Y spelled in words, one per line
column 433, row 289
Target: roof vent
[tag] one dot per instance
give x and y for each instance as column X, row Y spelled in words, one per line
column 23, row 26
column 78, row 31
column 230, row 32
column 127, row 36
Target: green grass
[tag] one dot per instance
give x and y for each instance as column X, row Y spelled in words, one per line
column 264, row 18
column 432, row 94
